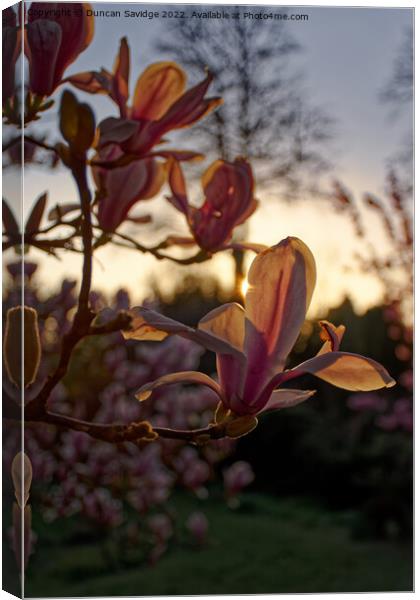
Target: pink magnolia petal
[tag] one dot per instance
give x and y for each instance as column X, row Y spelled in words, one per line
column 227, row 322
column 228, row 188
column 125, row 186
column 231, row 372
column 281, row 282
column 91, row 82
column 287, row 398
column 114, row 130
column 347, row 371
column 176, row 181
column 149, row 325
column 121, row 73
column 189, row 107
column 183, row 377
column 332, row 336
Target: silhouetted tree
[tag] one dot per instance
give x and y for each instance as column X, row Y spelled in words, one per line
column 398, row 93
column 265, row 116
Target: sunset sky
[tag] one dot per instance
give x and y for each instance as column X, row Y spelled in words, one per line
column 348, row 56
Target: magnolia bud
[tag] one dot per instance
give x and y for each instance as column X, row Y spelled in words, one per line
column 77, row 123
column 21, row 484
column 18, row 317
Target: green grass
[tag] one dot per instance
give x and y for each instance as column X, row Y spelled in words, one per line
column 269, row 546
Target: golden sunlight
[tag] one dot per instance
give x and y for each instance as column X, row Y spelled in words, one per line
column 244, row 287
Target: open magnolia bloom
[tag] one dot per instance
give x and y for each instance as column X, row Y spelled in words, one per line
column 160, row 102
column 120, row 188
column 54, row 40
column 125, row 186
column 252, row 343
column 229, row 200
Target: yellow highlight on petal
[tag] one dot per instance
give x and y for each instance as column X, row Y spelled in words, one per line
column 141, row 396
column 244, row 287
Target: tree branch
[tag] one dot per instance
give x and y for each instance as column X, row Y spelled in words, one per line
column 83, row 317
column 132, row 432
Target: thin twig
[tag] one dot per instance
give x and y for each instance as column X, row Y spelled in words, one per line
column 83, row 316
column 200, row 257
column 131, row 432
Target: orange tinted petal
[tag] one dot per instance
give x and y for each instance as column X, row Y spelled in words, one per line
column 281, row 282
column 178, row 188
column 89, row 26
column 331, row 336
column 228, row 189
column 182, row 377
column 226, row 322
column 204, row 108
column 159, row 86
column 121, row 76
column 122, row 62
column 348, row 371
column 88, row 82
column 148, row 325
column 287, row 398
column 190, row 107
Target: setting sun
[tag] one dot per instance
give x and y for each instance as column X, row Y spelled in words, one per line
column 244, row 287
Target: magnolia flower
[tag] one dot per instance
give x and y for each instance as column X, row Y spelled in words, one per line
column 54, row 39
column 229, row 200
column 198, row 525
column 124, row 186
column 160, row 102
column 161, row 526
column 120, row 188
column 237, row 477
column 252, row 343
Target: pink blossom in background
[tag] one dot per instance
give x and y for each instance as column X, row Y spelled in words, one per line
column 75, row 474
column 161, row 526
column 369, row 401
column 237, row 477
column 406, row 379
column 197, row 524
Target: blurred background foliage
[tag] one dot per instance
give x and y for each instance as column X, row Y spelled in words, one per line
column 332, row 478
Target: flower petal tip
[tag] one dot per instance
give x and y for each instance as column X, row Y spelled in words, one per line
column 143, row 395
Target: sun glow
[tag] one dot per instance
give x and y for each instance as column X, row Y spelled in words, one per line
column 244, row 287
